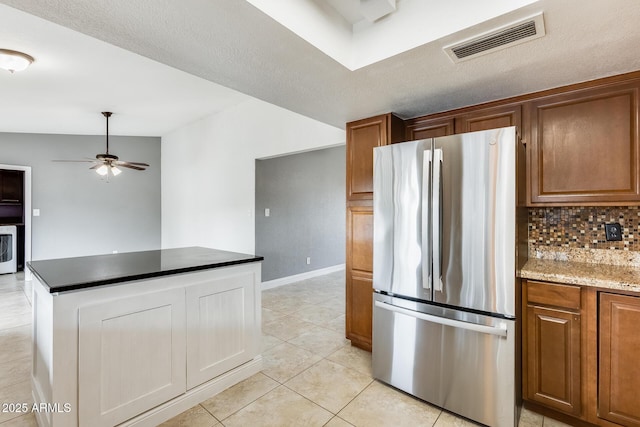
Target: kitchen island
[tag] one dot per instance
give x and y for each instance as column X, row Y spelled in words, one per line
column 137, row 338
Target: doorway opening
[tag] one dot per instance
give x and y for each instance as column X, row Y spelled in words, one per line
column 15, row 210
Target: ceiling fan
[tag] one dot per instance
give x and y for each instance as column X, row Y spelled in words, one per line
column 106, row 164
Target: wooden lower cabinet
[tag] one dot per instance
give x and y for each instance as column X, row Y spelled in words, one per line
column 552, row 358
column 359, row 275
column 359, row 310
column 619, row 361
column 581, row 350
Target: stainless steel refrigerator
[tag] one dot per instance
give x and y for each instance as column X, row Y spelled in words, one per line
column 444, row 272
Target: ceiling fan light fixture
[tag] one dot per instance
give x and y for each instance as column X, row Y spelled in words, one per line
column 102, row 170
column 12, row 60
column 105, row 164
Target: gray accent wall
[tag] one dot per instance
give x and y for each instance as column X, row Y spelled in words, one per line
column 305, row 194
column 80, row 213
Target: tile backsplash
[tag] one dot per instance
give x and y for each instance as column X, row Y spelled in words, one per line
column 582, row 228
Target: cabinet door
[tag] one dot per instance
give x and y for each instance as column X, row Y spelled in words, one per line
column 619, row 369
column 359, row 309
column 359, row 268
column 222, row 329
column 131, row 356
column 360, row 238
column 11, row 186
column 429, row 128
column 362, row 137
column 553, row 358
column 584, row 147
column 490, row 118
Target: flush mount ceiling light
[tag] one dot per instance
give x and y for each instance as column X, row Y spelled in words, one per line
column 106, row 164
column 12, row 60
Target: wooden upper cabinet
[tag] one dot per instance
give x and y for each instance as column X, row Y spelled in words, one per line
column 584, row 147
column 423, row 128
column 490, row 118
column 362, row 137
column 619, row 380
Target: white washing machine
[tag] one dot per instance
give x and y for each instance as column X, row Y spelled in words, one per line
column 8, row 251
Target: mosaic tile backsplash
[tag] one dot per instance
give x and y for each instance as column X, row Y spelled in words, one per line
column 583, row 227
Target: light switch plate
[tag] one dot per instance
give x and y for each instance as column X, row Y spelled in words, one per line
column 36, row 212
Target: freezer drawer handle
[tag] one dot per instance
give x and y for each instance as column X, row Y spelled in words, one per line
column 500, row 331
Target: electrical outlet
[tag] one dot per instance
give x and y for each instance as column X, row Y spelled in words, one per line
column 613, row 232
column 308, row 260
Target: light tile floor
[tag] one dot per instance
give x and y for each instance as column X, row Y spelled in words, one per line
column 311, row 376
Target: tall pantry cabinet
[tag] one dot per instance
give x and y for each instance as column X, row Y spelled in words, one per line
column 362, row 137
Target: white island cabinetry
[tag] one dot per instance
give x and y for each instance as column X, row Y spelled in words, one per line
column 141, row 352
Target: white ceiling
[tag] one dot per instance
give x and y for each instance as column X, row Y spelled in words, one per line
column 75, row 77
column 236, row 45
column 343, row 33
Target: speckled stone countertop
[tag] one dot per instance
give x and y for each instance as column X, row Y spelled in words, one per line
column 621, row 277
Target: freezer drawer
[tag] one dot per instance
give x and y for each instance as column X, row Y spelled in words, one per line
column 462, row 362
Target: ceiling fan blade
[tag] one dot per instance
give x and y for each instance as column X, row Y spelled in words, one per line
column 83, row 161
column 122, row 163
column 126, row 165
column 96, row 166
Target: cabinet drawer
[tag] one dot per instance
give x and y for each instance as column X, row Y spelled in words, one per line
column 553, row 294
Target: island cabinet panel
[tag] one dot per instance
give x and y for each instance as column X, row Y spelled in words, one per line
column 220, row 326
column 362, row 137
column 359, row 270
column 131, row 356
column 619, row 370
column 552, row 346
column 584, row 147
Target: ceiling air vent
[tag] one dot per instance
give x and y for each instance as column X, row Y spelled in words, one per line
column 523, row 31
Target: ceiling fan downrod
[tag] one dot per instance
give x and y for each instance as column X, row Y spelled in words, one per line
column 107, row 114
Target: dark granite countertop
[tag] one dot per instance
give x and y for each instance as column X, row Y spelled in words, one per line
column 68, row 274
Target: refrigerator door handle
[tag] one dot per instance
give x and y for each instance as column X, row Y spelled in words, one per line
column 500, row 331
column 426, row 245
column 436, row 212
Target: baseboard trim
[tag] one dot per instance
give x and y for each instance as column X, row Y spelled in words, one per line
column 192, row 397
column 302, row 276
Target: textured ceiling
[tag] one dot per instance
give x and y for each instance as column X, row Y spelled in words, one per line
column 231, row 43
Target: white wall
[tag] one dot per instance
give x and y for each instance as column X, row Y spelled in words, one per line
column 208, row 171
